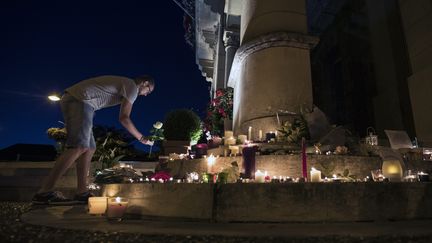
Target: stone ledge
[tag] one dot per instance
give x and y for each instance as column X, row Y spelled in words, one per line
column 291, row 202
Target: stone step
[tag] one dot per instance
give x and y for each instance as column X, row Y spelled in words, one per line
column 279, row 202
column 25, row 194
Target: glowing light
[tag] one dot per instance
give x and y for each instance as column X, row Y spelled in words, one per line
column 54, row 97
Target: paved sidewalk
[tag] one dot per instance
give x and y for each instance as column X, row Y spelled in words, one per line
column 75, row 217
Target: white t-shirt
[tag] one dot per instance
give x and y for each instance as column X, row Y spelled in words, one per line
column 104, row 91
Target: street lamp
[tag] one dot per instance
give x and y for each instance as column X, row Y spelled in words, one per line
column 54, row 97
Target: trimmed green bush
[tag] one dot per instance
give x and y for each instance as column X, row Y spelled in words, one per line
column 182, row 124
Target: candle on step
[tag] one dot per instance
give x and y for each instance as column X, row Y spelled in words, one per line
column 260, row 176
column 97, row 205
column 250, row 133
column 234, row 150
column 242, row 138
column 304, row 163
column 211, row 160
column 117, row 207
column 315, row 175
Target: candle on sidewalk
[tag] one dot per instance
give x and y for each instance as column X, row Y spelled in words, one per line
column 97, row 205
column 117, row 207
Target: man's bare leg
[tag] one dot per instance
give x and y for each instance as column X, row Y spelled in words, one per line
column 82, row 168
column 64, row 162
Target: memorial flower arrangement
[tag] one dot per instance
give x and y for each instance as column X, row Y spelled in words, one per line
column 293, row 132
column 219, row 108
column 157, row 134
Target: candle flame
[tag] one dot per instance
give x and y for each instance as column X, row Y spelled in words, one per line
column 211, row 160
column 118, row 199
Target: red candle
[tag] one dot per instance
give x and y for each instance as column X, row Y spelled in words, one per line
column 303, row 153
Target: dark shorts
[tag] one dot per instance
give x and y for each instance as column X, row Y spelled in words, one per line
column 78, row 117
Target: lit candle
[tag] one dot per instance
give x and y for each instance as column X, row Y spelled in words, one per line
column 250, row 133
column 97, row 205
column 423, row 177
column 117, row 207
column 211, row 160
column 315, row 175
column 260, row 135
column 260, row 176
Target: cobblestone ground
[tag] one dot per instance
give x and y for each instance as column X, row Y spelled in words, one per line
column 13, row 230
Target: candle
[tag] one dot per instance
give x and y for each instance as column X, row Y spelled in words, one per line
column 250, row 133
column 117, row 207
column 249, row 161
column 242, row 138
column 228, row 134
column 260, row 176
column 423, row 177
column 392, row 169
column 315, row 175
column 278, row 121
column 260, row 135
column 97, row 205
column 230, row 141
column 303, row 153
column 211, row 160
column 234, row 150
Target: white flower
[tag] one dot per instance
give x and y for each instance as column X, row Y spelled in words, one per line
column 158, row 125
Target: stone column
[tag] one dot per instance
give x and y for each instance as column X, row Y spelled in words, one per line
column 232, row 41
column 271, row 69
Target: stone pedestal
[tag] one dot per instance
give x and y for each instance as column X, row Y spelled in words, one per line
column 271, row 74
column 271, row 69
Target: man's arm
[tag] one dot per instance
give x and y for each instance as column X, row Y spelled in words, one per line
column 124, row 118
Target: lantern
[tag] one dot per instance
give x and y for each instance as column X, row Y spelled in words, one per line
column 371, row 137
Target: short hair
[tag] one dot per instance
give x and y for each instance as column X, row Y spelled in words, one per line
column 144, row 78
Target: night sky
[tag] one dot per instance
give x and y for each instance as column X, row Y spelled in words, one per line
column 47, row 46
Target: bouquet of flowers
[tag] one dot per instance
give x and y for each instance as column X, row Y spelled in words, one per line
column 219, row 108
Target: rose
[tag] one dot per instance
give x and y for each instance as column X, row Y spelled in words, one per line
column 158, row 125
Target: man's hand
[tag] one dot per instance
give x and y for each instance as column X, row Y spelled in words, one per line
column 145, row 141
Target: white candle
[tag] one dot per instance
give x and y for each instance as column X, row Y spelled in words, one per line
column 260, row 176
column 228, row 134
column 230, row 141
column 97, row 205
column 211, row 160
column 260, row 135
column 117, row 207
column 250, row 133
column 242, row 138
column 315, row 175
column 234, row 150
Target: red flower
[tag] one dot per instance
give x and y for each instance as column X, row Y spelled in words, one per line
column 165, row 176
column 219, row 93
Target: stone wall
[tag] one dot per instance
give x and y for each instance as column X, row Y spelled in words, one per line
column 290, row 165
column 287, row 202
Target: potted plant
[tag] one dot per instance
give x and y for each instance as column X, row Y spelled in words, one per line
column 182, row 128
